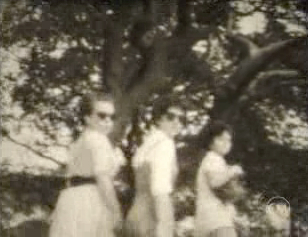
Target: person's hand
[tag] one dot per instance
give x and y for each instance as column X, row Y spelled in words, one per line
column 237, row 171
column 118, row 227
column 233, row 191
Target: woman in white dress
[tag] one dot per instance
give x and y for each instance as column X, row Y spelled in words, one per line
column 214, row 215
column 155, row 169
column 89, row 205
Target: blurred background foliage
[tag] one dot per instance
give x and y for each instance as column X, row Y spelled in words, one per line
column 58, row 47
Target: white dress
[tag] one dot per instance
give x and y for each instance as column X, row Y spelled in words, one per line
column 80, row 210
column 211, row 212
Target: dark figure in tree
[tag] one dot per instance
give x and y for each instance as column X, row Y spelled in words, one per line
column 145, row 37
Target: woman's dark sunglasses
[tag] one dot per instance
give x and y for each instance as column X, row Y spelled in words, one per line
column 103, row 115
column 172, row 116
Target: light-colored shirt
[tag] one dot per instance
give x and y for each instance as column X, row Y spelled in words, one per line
column 159, row 151
column 92, row 153
column 216, row 169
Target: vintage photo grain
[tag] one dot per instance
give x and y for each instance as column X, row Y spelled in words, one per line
column 154, row 118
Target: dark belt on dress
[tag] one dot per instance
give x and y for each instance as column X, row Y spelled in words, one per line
column 79, row 180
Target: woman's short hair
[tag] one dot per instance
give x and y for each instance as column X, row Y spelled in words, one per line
column 209, row 132
column 86, row 107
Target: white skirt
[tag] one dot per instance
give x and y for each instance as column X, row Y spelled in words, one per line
column 212, row 215
column 80, row 211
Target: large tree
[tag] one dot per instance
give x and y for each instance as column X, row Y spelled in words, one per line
column 74, row 47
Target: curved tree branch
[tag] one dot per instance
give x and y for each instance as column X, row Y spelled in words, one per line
column 245, row 73
column 246, row 46
column 258, row 60
column 296, row 57
column 39, row 153
column 266, row 77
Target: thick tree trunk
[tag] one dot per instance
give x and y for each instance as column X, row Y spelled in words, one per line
column 113, row 66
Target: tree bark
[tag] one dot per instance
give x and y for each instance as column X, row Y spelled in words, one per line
column 247, row 70
column 113, row 66
column 184, row 15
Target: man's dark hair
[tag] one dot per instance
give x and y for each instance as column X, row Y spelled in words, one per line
column 161, row 106
column 86, row 107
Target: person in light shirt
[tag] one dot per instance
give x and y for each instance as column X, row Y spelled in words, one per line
column 89, row 206
column 155, row 169
column 215, row 212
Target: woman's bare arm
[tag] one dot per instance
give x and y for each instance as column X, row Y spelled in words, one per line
column 108, row 194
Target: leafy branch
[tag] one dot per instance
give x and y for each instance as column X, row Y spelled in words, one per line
column 28, row 147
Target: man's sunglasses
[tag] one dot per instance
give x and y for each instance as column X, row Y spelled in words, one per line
column 103, row 115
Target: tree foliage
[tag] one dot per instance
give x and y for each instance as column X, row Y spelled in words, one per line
column 74, row 47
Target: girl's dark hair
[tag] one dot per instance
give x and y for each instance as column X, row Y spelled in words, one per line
column 200, row 143
column 209, row 132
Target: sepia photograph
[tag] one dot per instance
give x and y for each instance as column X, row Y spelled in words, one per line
column 154, row 118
